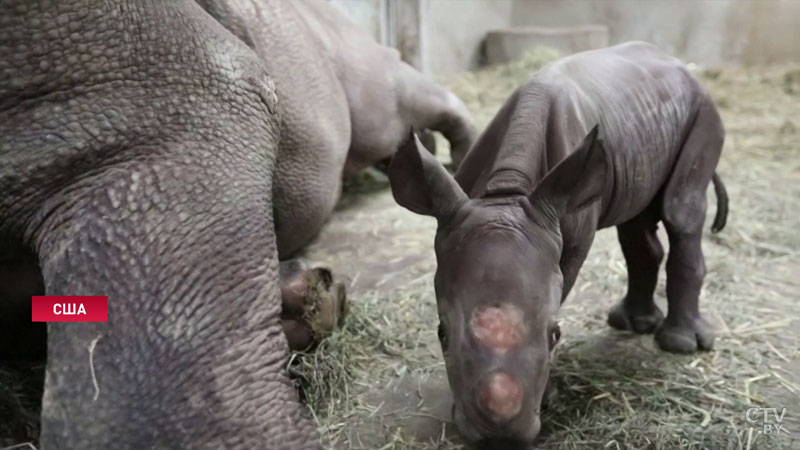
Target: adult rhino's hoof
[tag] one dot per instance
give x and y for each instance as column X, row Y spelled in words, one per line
column 326, row 302
column 686, row 336
column 313, row 304
column 624, row 316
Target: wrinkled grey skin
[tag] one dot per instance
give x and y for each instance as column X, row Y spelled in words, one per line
column 138, row 152
column 146, row 149
column 517, row 222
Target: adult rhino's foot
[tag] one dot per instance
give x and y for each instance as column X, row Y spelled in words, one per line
column 641, row 317
column 685, row 335
column 313, row 304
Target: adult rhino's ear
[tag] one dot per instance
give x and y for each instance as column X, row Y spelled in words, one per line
column 421, row 183
column 576, row 181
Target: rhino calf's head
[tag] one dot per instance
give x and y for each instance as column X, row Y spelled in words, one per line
column 498, row 284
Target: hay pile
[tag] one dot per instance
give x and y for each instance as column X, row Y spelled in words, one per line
column 20, row 398
column 379, row 383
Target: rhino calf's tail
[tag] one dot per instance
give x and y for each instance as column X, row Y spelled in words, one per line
column 722, row 204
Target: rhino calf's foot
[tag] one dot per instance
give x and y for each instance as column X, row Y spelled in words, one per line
column 639, row 317
column 313, row 304
column 685, row 336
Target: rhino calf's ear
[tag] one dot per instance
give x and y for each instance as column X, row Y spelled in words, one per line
column 576, row 181
column 420, row 182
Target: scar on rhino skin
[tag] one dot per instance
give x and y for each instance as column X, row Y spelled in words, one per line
column 498, row 327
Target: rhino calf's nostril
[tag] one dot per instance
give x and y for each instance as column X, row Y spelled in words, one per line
column 501, row 395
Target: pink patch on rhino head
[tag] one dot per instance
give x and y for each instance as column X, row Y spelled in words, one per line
column 501, row 394
column 498, row 327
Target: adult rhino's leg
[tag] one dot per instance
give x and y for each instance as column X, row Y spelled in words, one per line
column 684, row 210
column 427, row 105
column 383, row 108
column 193, row 354
column 314, row 141
column 643, row 255
column 312, row 303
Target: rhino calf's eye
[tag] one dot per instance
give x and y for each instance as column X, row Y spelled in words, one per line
column 555, row 335
column 442, row 333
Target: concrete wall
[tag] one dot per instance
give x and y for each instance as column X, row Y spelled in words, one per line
column 399, row 24
column 369, row 14
column 456, row 29
column 508, row 44
column 708, row 32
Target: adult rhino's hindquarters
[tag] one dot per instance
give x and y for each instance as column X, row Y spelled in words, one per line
column 137, row 157
column 518, row 219
column 347, row 103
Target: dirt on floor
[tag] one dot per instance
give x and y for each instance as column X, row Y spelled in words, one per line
column 380, row 382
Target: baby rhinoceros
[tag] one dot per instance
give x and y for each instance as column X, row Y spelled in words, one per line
column 623, row 136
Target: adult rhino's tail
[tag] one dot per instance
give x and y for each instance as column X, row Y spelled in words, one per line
column 722, row 204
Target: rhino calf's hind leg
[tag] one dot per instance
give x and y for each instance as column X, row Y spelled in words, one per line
column 684, row 210
column 313, row 305
column 643, row 255
column 684, row 330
